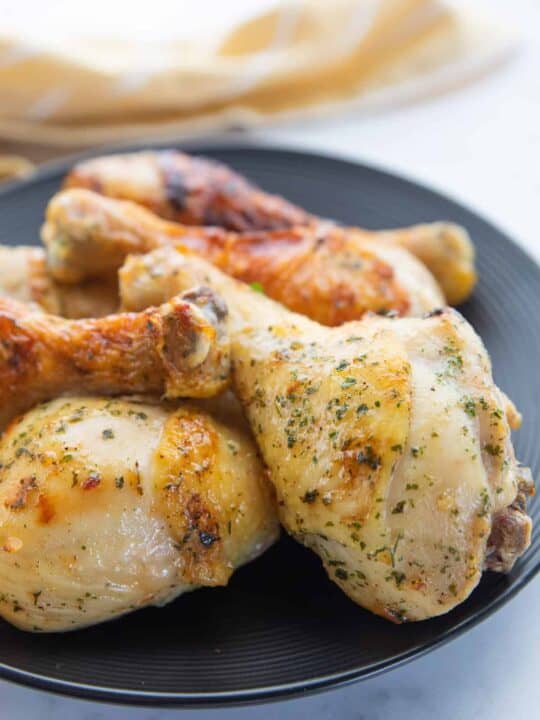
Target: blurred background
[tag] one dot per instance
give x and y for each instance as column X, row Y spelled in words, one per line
column 427, row 87
column 447, row 92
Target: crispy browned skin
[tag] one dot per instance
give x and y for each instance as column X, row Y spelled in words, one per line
column 321, row 271
column 177, row 349
column 24, row 276
column 197, row 191
column 188, row 190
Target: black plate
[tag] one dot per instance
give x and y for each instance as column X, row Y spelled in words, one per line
column 280, row 627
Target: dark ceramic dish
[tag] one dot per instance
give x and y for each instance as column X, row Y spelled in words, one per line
column 281, row 628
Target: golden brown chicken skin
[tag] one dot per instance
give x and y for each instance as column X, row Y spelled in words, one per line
column 196, row 191
column 320, row 271
column 178, row 349
column 187, row 189
column 110, row 505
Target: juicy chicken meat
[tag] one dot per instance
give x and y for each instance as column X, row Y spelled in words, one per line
column 322, row 272
column 198, row 191
column 387, row 440
column 179, row 349
column 24, row 276
column 107, row 506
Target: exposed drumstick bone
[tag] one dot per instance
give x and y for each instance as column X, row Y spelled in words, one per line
column 178, row 349
column 198, row 191
column 320, row 271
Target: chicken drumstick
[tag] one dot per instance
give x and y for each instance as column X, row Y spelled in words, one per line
column 178, row 349
column 324, row 273
column 197, row 191
column 387, row 440
column 109, row 505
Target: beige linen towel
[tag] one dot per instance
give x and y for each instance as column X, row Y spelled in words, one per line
column 274, row 60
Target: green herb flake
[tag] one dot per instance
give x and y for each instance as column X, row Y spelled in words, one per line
column 341, row 411
column 257, row 287
column 369, row 458
column 310, row 496
column 493, row 450
column 398, row 508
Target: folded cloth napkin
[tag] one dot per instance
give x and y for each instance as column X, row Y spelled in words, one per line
column 231, row 64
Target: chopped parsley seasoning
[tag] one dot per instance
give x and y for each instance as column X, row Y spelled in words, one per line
column 257, row 287
column 493, row 450
column 469, row 405
column 369, row 458
column 233, row 447
column 341, row 573
column 484, row 503
column 348, row 382
column 398, row 508
column 107, row 434
column 397, row 577
column 362, row 409
column 341, row 411
column 455, row 360
column 310, row 496
column 119, row 482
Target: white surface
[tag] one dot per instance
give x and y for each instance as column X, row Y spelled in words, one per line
column 482, row 146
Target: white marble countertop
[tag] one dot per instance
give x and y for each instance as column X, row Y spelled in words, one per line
column 481, row 145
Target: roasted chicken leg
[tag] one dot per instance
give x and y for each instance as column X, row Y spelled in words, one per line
column 178, row 349
column 198, row 191
column 322, row 272
column 387, row 440
column 24, row 276
column 109, row 505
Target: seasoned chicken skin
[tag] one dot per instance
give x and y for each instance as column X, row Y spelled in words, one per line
column 179, row 349
column 24, row 276
column 387, row 440
column 197, row 191
column 110, row 505
column 322, row 272
column 186, row 189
